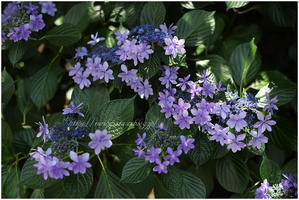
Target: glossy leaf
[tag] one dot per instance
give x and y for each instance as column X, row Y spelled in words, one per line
column 153, row 13
column 270, row 170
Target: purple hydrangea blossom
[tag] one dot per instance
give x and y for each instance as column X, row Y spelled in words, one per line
column 73, row 110
column 58, row 171
column 139, row 152
column 183, row 120
column 183, row 82
column 208, row 90
column 172, row 156
column 257, row 140
column 146, row 89
column 40, row 153
column 288, row 182
column 168, row 31
column 94, row 39
column 100, row 140
column 219, row 134
column 174, row 46
column 81, row 52
column 165, row 98
column 152, row 155
column 44, row 166
column 167, row 109
column 81, row 79
column 93, row 68
column 127, row 75
column 48, row 7
column 136, row 84
column 19, row 33
column 80, row 162
column 204, row 105
column 234, row 143
column 181, row 106
column 202, row 77
column 76, row 69
column 262, row 191
column 194, row 89
column 121, row 37
column 219, row 88
column 271, row 104
column 169, row 76
column 237, row 121
column 161, row 167
column 43, row 130
column 140, row 140
column 264, row 123
column 105, row 73
column 222, row 110
column 161, row 127
column 31, row 9
column 186, row 144
column 201, row 116
column 36, row 22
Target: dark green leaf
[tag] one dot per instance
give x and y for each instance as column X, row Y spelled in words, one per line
column 31, row 179
column 242, row 63
column 150, row 67
column 24, row 138
column 196, row 27
column 270, row 170
column 192, row 187
column 8, row 87
column 235, row 4
column 203, row 150
column 232, row 173
column 135, row 170
column 144, row 188
column 172, row 181
column 23, row 96
column 153, row 13
column 43, row 86
column 16, row 52
column 64, row 35
column 119, row 190
column 291, row 168
column 10, row 184
column 195, row 5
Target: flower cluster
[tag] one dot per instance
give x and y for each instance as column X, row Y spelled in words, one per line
column 20, row 19
column 60, row 158
column 161, row 149
column 287, row 188
column 230, row 120
column 135, row 45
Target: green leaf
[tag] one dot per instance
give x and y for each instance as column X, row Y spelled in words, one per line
column 192, row 187
column 150, row 67
column 232, row 174
column 153, row 13
column 235, row 4
column 119, row 189
column 172, row 181
column 144, row 188
column 79, row 15
column 115, row 116
column 64, row 35
column 242, row 63
column 73, row 186
column 135, row 170
column 133, row 13
column 23, row 139
column 270, row 170
column 31, row 179
column 8, row 87
column 10, row 184
column 7, row 141
column 23, row 95
column 196, row 27
column 202, row 152
column 195, row 5
column 43, row 86
column 291, row 168
column 16, row 52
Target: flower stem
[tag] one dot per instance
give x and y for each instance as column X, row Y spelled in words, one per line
column 106, row 176
column 244, row 11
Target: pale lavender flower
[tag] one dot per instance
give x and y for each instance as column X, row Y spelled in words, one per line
column 127, row 75
column 204, row 105
column 58, row 171
column 36, row 22
column 219, row 134
column 43, row 130
column 237, row 121
column 183, row 82
column 31, row 9
column 73, row 110
column 139, row 152
column 140, row 140
column 105, row 73
column 222, row 110
column 100, row 140
column 121, row 37
column 186, row 145
column 136, row 84
column 264, row 123
column 48, row 7
column 44, row 166
column 271, row 104
column 80, row 162
column 161, row 127
column 168, row 110
column 81, row 52
column 144, row 52
column 19, row 33
column 76, row 69
column 262, row 191
column 181, row 106
column 202, row 77
column 257, row 140
column 40, row 153
column 161, row 167
column 174, row 46
column 82, row 80
column 194, row 89
column 219, row 88
column 93, row 67
column 169, row 76
column 94, row 39
column 168, row 31
column 201, row 116
column 183, row 120
column 288, row 182
column 172, row 156
column 165, row 98
column 208, row 90
column 146, row 89
column 234, row 143
column 152, row 155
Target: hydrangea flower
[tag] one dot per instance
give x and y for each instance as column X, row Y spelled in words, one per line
column 19, row 33
column 161, row 127
column 161, row 167
column 100, row 140
column 234, row 143
column 208, row 90
column 264, row 123
column 169, row 76
column 127, row 75
column 257, row 140
column 36, row 22
column 81, row 79
column 183, row 120
column 262, row 191
column 181, row 106
column 183, row 82
column 75, row 69
column 94, row 39
column 174, row 46
column 168, row 31
column 219, row 134
column 145, row 89
column 48, row 7
column 222, row 110
column 172, row 156
column 73, row 110
column 186, row 144
column 81, row 52
column 152, row 155
column 201, row 116
column 58, row 171
column 105, row 73
column 44, row 166
column 270, row 104
column 139, row 152
column 194, row 89
column 40, row 153
column 43, row 130
column 121, row 37
column 237, row 121
column 140, row 140
column 80, row 162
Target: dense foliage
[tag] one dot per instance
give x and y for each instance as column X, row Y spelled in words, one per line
column 124, row 100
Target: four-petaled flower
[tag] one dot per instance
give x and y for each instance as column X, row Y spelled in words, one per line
column 73, row 110
column 172, row 156
column 264, row 123
column 80, row 162
column 43, row 129
column 234, row 143
column 152, row 155
column 237, row 121
column 100, row 140
column 161, row 167
column 140, row 140
column 186, row 145
column 94, row 39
